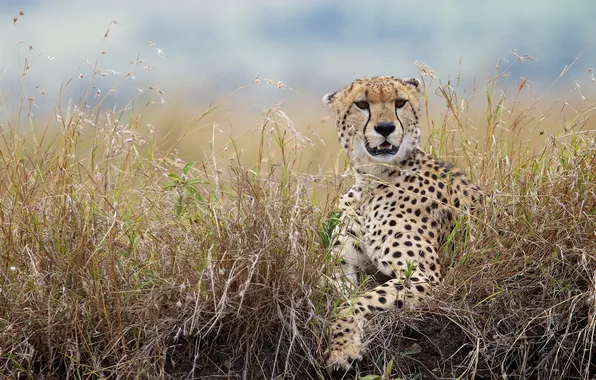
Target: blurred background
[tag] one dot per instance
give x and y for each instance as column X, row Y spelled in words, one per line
column 185, row 55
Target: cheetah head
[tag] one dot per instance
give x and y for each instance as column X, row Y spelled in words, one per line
column 377, row 119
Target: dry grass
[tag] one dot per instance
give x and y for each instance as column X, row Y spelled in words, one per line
column 123, row 262
column 118, row 260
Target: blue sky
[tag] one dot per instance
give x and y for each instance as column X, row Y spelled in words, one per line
column 208, row 48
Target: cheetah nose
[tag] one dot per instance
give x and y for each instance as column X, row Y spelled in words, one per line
column 385, row 129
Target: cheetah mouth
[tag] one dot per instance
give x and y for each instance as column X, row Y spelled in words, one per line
column 385, row 148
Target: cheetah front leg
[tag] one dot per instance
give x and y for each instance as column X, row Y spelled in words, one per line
column 348, row 331
column 348, row 247
column 352, row 259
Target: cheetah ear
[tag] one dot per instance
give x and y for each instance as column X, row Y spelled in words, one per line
column 328, row 99
column 414, row 82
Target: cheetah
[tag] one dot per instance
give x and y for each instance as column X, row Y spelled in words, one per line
column 396, row 215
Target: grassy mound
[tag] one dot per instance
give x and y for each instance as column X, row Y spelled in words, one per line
column 117, row 260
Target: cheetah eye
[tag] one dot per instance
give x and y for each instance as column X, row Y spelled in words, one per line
column 363, row 104
column 399, row 103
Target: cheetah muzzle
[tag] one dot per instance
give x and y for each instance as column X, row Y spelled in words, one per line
column 384, row 148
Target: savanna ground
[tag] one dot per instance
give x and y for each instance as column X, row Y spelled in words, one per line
column 119, row 259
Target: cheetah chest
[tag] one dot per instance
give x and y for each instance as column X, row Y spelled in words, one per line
column 404, row 224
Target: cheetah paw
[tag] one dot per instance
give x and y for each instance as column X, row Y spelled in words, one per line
column 341, row 358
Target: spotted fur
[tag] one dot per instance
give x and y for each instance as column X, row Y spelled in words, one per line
column 397, row 214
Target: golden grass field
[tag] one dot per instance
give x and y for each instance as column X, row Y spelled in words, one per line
column 144, row 244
